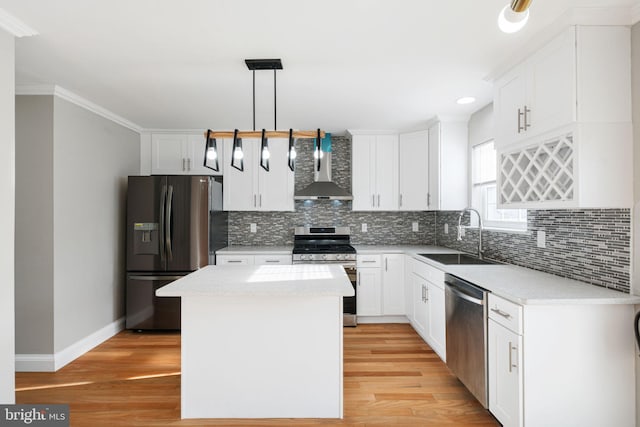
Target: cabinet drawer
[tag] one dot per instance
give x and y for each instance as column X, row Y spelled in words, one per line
column 272, row 259
column 369, row 260
column 430, row 273
column 234, row 260
column 505, row 313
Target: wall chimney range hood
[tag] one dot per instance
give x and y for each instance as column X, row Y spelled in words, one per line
column 323, row 188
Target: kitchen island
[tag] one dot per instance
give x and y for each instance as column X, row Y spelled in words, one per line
column 262, row 341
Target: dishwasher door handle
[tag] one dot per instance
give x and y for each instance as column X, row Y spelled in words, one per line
column 464, row 296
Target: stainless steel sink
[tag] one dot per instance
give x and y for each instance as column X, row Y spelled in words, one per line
column 456, row 259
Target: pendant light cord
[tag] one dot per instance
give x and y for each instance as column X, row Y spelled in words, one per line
column 275, row 104
column 254, row 99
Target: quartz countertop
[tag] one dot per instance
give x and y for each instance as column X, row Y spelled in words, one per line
column 262, row 280
column 401, row 249
column 255, row 250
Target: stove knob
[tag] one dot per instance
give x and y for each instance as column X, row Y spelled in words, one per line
column 339, row 256
column 324, row 257
column 304, row 257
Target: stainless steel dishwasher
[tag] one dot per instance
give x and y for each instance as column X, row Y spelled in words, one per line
column 467, row 334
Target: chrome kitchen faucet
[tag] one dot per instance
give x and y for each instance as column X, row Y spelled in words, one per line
column 480, row 251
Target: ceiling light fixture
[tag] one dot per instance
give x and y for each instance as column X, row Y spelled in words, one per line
column 513, row 17
column 466, row 100
column 264, row 135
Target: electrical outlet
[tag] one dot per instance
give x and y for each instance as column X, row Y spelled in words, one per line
column 415, row 226
column 541, row 238
column 364, row 227
column 462, row 231
column 253, row 227
column 446, row 228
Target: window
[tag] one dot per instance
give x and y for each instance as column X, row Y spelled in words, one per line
column 484, row 195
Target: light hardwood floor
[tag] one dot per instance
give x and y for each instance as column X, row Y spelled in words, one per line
column 392, row 378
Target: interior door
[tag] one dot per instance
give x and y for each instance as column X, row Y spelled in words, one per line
column 145, row 195
column 186, row 229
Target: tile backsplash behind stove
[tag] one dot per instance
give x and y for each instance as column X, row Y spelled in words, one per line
column 276, row 228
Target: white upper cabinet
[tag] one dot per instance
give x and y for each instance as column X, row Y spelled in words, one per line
column 374, row 162
column 255, row 189
column 561, row 115
column 448, row 153
column 539, row 94
column 179, row 154
column 413, row 171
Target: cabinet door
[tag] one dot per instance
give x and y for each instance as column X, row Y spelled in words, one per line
column 509, row 97
column 195, row 156
column 420, row 307
column 168, row 154
column 393, row 284
column 413, row 171
column 505, row 375
column 362, row 184
column 369, row 291
column 240, row 187
column 386, row 172
column 276, row 186
column 408, row 287
column 433, row 196
column 272, row 260
column 436, row 322
column 551, row 85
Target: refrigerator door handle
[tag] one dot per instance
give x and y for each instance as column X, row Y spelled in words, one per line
column 163, row 199
column 167, row 224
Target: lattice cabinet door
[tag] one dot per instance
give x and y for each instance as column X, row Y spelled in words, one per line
column 543, row 172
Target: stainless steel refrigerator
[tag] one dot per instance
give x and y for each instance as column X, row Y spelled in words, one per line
column 173, row 223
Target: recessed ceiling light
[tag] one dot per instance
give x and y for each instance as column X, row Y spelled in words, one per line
column 466, row 100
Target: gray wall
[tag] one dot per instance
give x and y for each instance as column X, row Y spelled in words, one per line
column 34, row 224
column 7, row 195
column 80, row 193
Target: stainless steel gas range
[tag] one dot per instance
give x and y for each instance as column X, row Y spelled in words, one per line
column 329, row 245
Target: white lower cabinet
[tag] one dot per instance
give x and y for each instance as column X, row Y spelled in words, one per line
column 380, row 285
column 264, row 259
column 369, row 292
column 505, row 369
column 427, row 314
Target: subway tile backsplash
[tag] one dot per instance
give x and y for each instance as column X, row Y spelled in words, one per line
column 591, row 245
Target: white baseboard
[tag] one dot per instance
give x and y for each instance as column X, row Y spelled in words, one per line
column 383, row 319
column 53, row 362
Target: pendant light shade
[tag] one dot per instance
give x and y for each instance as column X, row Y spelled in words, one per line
column 264, row 152
column 237, row 156
column 211, row 153
column 514, row 16
column 292, row 151
column 318, row 149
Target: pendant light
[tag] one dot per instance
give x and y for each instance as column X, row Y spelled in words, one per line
column 264, row 152
column 237, row 156
column 514, row 16
column 237, row 153
column 318, row 151
column 211, row 153
column 292, row 151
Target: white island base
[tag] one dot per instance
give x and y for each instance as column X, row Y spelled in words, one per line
column 262, row 342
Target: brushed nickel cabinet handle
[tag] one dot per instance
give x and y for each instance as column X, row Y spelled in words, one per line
column 501, row 313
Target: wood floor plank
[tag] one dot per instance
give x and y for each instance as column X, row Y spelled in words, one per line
column 392, row 378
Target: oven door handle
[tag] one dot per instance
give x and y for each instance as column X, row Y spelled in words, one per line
column 464, row 296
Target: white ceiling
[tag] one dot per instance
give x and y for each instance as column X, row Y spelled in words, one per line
column 348, row 64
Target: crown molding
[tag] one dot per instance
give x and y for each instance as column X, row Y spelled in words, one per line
column 15, row 26
column 54, row 90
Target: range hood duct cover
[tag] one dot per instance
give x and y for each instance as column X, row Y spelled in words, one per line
column 323, row 188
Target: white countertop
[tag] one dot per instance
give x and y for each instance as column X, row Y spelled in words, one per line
column 402, row 249
column 262, row 280
column 255, row 250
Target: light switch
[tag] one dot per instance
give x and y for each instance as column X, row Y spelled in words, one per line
column 253, row 227
column 364, row 227
column 541, row 237
column 415, row 226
